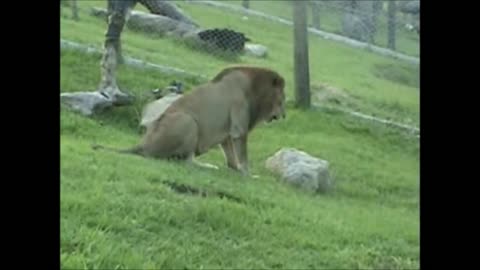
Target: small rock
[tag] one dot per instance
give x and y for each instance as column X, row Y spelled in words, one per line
column 300, row 169
column 255, row 50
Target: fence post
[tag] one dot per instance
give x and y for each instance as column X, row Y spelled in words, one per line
column 74, row 10
column 301, row 65
column 392, row 21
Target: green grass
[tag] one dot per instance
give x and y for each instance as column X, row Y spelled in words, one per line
column 117, row 213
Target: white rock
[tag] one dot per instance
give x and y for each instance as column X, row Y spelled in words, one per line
column 155, row 109
column 255, row 50
column 85, row 103
column 300, row 169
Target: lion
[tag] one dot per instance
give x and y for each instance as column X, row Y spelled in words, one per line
column 221, row 112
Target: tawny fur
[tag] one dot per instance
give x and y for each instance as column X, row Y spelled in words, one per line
column 220, row 112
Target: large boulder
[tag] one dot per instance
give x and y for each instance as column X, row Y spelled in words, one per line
column 89, row 103
column 301, row 169
column 163, row 99
column 153, row 110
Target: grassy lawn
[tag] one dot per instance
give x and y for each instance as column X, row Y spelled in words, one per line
column 116, row 212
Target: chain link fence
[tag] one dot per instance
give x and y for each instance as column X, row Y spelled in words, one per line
column 388, row 24
column 198, row 38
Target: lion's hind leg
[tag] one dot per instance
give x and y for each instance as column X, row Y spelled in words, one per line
column 175, row 137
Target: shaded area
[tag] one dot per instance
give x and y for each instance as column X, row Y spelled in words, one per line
column 189, row 190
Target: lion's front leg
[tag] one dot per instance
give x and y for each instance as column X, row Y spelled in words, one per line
column 235, row 147
column 235, row 154
column 233, row 160
column 229, row 153
column 241, row 155
column 240, row 150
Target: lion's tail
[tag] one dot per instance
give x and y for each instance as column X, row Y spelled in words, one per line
column 137, row 150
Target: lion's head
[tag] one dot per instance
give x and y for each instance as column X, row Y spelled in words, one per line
column 277, row 99
column 265, row 93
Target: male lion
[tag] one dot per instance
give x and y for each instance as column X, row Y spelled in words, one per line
column 220, row 112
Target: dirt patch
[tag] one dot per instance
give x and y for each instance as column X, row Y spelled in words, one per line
column 190, row 190
column 323, row 93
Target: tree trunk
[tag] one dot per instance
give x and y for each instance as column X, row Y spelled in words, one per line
column 315, row 14
column 108, row 94
column 302, row 74
column 168, row 9
column 246, row 4
column 391, row 24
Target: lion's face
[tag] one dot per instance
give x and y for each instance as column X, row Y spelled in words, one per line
column 278, row 101
column 278, row 111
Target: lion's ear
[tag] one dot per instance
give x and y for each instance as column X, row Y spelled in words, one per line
column 277, row 82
